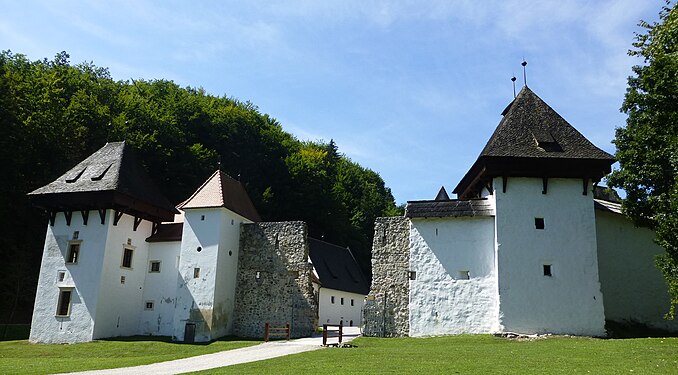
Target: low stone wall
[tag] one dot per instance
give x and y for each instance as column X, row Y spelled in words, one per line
column 274, row 280
column 386, row 312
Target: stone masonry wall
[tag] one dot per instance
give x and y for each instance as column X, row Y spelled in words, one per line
column 386, row 312
column 274, row 280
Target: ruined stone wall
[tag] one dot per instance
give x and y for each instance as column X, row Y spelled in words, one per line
column 274, row 279
column 386, row 312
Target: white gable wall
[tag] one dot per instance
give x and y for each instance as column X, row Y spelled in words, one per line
column 634, row 289
column 119, row 305
column 46, row 327
column 330, row 312
column 570, row 301
column 160, row 288
column 441, row 302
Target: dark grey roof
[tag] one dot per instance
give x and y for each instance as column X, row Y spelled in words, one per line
column 442, row 195
column 449, row 208
column 336, row 267
column 167, row 232
column 109, row 178
column 534, row 140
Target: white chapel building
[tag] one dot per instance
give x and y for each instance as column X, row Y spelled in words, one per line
column 529, row 246
column 120, row 260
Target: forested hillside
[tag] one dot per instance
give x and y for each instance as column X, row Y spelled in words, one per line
column 54, row 113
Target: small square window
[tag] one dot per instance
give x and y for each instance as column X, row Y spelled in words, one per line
column 61, row 276
column 148, row 305
column 547, row 270
column 127, row 255
column 464, row 275
column 154, row 266
column 413, row 275
column 332, row 299
column 64, row 305
column 73, row 253
column 196, row 273
column 122, row 279
column 539, row 222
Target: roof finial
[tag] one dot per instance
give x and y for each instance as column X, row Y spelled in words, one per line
column 513, row 79
column 524, row 64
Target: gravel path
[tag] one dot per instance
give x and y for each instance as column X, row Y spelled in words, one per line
column 229, row 357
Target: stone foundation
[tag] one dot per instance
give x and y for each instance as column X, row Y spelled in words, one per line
column 386, row 312
column 274, row 280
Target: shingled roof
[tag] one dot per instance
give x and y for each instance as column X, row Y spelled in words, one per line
column 533, row 140
column 109, row 178
column 221, row 190
column 449, row 208
column 336, row 267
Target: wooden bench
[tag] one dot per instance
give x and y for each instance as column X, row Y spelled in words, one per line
column 276, row 330
column 332, row 333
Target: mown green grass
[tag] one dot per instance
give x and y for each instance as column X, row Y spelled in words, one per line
column 478, row 354
column 20, row 357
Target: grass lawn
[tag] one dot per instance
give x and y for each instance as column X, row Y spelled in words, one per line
column 478, row 354
column 20, row 357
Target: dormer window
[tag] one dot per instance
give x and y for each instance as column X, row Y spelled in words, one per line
column 546, row 141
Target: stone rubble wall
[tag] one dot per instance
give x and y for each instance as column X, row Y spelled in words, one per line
column 283, row 292
column 386, row 312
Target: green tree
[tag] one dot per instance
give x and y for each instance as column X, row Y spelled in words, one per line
column 647, row 147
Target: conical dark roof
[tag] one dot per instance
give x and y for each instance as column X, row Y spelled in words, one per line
column 109, row 178
column 442, row 195
column 533, row 140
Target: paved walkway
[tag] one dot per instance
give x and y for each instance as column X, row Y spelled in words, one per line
column 227, row 358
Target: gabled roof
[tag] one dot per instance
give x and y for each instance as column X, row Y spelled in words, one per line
column 167, row 232
column 442, row 194
column 221, row 190
column 449, row 208
column 533, row 140
column 109, row 178
column 336, row 267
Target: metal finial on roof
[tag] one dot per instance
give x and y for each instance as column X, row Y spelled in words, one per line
column 513, row 79
column 524, row 64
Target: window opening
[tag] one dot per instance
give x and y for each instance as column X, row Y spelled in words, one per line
column 464, row 275
column 539, row 222
column 154, row 266
column 547, row 270
column 196, row 272
column 73, row 253
column 122, row 279
column 413, row 275
column 127, row 254
column 342, row 300
column 64, row 306
column 148, row 305
column 352, row 304
column 332, row 299
column 61, row 275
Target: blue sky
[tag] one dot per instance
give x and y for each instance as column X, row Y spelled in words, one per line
column 411, row 90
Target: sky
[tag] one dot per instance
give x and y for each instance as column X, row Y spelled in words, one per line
column 410, row 89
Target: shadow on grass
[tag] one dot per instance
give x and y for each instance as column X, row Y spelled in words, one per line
column 634, row 330
column 11, row 332
column 168, row 339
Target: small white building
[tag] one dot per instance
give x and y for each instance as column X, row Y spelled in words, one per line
column 528, row 247
column 339, row 284
column 120, row 260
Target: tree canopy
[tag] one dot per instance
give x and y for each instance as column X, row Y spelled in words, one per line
column 647, row 147
column 53, row 114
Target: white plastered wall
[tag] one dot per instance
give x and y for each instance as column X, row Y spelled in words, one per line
column 82, row 278
column 207, row 301
column 633, row 288
column 570, row 301
column 119, row 305
column 160, row 288
column 441, row 302
column 335, row 312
